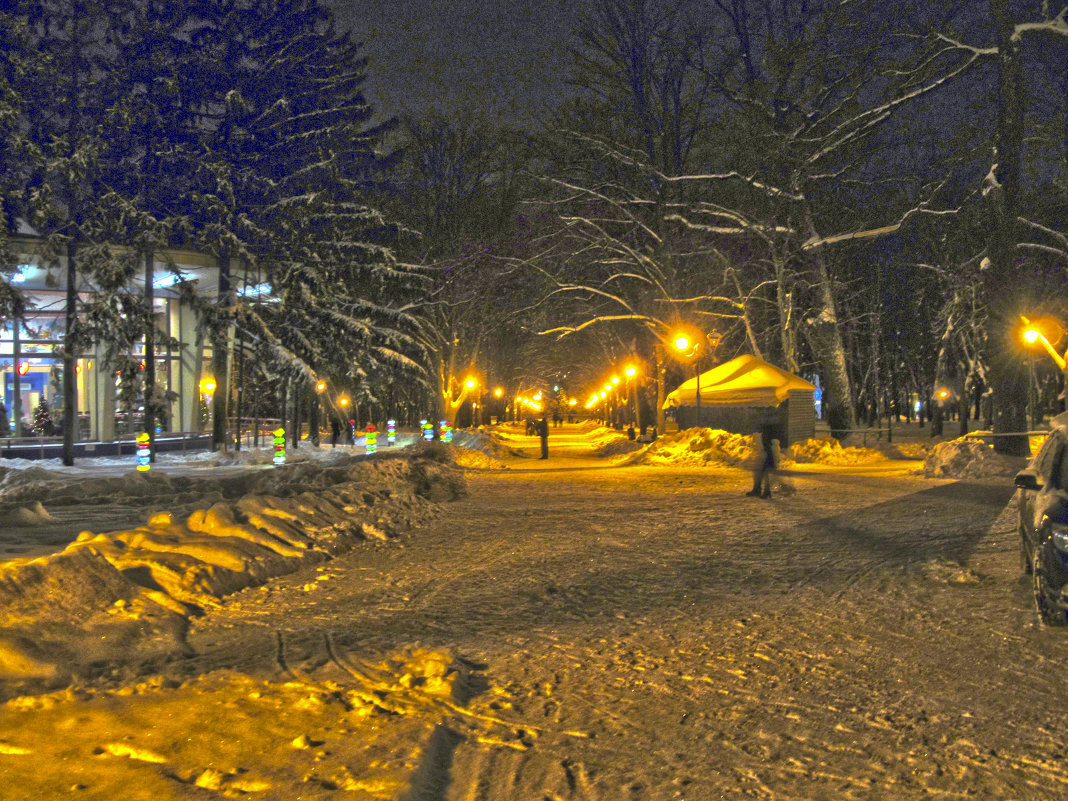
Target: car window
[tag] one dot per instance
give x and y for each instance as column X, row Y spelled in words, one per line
column 1053, row 464
column 1059, row 474
column 1048, row 456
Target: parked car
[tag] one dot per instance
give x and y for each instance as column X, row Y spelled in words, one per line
column 1042, row 501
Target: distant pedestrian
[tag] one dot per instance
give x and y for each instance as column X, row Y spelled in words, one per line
column 766, row 463
column 630, row 432
column 543, row 432
column 335, row 431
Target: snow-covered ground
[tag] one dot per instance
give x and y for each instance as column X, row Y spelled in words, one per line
column 210, row 646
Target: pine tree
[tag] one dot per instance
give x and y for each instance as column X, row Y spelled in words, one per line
column 69, row 96
column 289, row 156
column 42, row 419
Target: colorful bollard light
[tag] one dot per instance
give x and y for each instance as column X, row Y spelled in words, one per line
column 144, row 452
column 446, row 431
column 370, row 439
column 391, row 431
column 428, row 430
column 279, row 445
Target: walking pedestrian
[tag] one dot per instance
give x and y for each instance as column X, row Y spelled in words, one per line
column 335, row 431
column 543, row 432
column 766, row 463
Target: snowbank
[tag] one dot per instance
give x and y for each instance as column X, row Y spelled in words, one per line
column 831, row 452
column 136, row 589
column 968, row 458
column 697, row 446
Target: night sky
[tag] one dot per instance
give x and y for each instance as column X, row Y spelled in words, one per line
column 505, row 60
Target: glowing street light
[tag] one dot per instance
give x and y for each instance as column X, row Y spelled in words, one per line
column 320, row 386
column 1033, row 333
column 689, row 345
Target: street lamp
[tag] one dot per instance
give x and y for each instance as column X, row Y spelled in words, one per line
column 1033, row 332
column 688, row 345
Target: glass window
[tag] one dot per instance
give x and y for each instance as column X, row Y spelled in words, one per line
column 1059, row 474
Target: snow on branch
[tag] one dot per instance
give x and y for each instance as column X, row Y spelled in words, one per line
column 815, row 242
column 734, row 174
column 1050, row 251
column 862, row 123
column 564, row 330
column 1057, row 25
column 1062, row 238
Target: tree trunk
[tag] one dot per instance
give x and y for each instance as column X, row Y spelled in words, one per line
column 661, row 371
column 70, row 373
column 825, row 338
column 220, row 357
column 1009, row 376
column 150, row 357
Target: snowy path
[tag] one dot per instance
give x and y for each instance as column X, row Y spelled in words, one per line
column 652, row 633
column 656, row 634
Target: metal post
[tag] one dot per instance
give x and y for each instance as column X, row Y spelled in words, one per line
column 697, row 372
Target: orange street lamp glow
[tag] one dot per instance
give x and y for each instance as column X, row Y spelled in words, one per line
column 343, row 400
column 682, row 342
column 630, row 372
column 470, row 383
column 207, row 386
column 498, row 392
column 1031, row 335
column 320, row 386
column 615, row 379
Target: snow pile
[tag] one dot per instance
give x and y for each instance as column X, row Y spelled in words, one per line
column 967, row 458
column 916, row 451
column 33, row 515
column 491, row 443
column 137, row 588
column 698, row 446
column 610, row 442
column 830, row 452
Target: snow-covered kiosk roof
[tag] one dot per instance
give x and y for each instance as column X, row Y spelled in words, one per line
column 744, row 381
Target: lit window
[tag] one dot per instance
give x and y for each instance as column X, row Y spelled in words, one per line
column 259, row 289
column 170, row 279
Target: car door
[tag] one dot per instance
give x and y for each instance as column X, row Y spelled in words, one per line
column 1046, row 468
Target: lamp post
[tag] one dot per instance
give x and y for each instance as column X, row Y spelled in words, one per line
column 630, row 371
column 1033, row 333
column 470, row 384
column 320, row 388
column 688, row 344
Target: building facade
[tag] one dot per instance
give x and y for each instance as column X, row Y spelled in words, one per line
column 32, row 365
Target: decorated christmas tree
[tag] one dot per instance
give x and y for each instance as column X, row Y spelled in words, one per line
column 42, row 419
